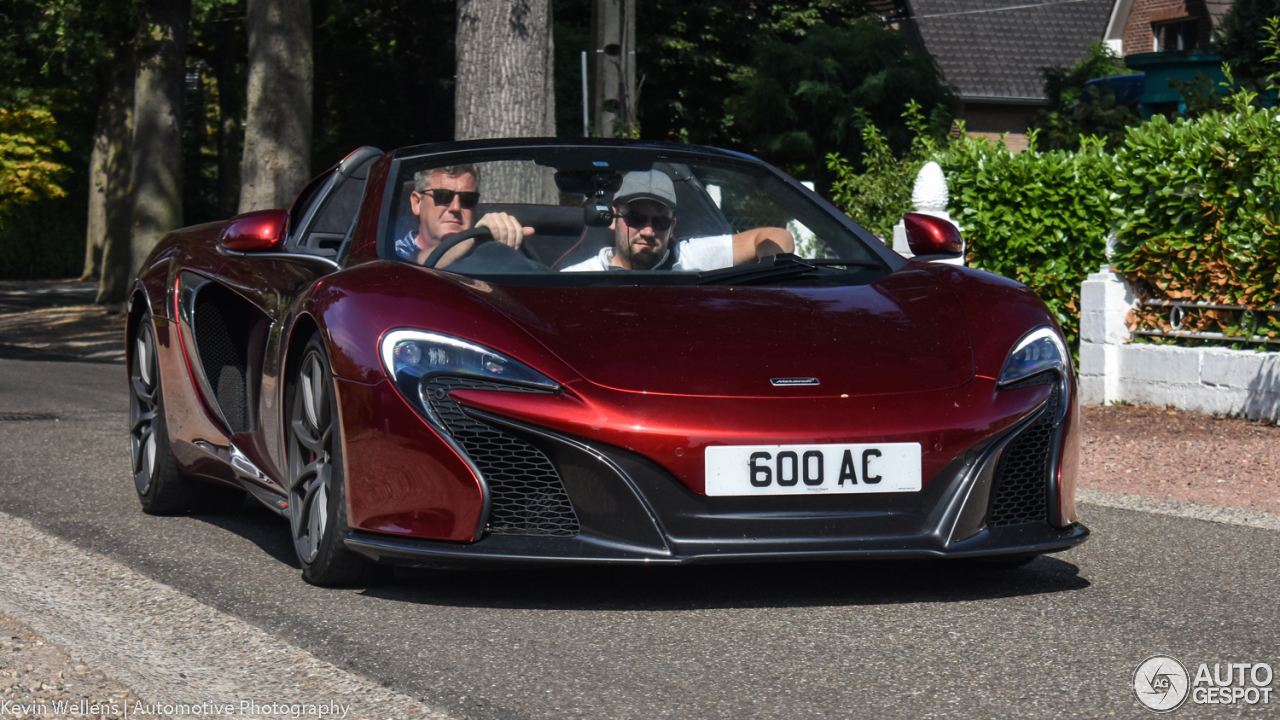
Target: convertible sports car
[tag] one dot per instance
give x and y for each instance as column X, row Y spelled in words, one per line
column 681, row 355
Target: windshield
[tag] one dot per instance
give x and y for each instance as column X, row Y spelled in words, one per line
column 608, row 215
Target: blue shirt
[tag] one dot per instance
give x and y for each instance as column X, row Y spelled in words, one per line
column 407, row 247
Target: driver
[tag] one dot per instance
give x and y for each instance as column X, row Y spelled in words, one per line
column 444, row 199
column 644, row 210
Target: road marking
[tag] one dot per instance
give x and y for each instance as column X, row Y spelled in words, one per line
column 1182, row 508
column 147, row 636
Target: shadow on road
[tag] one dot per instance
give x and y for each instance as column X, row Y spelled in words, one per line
column 733, row 586
column 684, row 588
column 260, row 526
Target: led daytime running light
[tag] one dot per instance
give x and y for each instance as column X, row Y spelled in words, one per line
column 418, row 354
column 1039, row 350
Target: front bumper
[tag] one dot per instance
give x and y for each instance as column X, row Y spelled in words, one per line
column 632, row 511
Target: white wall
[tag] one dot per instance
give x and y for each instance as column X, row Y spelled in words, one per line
column 1216, row 381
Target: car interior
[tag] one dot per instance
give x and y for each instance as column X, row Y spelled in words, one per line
column 562, row 237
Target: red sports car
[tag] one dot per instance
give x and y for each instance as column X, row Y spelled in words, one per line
column 531, row 351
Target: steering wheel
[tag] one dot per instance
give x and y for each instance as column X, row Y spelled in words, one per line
column 451, row 241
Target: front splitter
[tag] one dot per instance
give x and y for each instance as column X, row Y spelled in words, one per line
column 517, row 550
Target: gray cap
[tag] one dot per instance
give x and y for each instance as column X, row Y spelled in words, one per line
column 647, row 185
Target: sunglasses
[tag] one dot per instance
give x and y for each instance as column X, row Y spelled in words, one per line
column 444, row 197
column 637, row 220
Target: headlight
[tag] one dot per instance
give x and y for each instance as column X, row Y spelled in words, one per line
column 1039, row 350
column 412, row 357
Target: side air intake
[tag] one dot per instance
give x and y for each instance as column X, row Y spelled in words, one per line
column 527, row 496
column 1021, row 489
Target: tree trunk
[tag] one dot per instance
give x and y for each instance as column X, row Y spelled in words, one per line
column 506, row 87
column 157, row 127
column 277, row 132
column 117, row 168
column 613, row 41
column 97, row 224
column 230, row 108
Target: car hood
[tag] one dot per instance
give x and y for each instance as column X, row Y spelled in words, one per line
column 904, row 333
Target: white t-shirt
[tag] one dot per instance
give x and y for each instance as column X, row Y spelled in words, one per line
column 692, row 255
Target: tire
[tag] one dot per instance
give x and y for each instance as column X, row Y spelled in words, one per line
column 162, row 488
column 317, row 494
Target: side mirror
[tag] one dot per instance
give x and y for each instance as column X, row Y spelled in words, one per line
column 932, row 236
column 260, row 231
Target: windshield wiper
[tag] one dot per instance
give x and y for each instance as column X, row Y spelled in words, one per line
column 774, row 267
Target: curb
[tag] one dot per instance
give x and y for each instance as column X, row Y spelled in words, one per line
column 1181, row 508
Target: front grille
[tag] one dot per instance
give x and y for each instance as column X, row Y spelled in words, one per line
column 1021, row 491
column 527, row 496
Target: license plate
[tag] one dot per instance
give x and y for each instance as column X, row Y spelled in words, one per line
column 736, row 470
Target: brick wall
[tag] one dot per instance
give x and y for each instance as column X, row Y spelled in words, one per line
column 1138, row 36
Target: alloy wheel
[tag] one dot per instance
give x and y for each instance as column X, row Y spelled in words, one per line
column 144, row 381
column 310, row 457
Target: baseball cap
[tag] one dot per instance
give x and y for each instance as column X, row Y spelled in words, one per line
column 647, row 185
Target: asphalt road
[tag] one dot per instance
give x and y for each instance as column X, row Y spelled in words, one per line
column 1058, row 638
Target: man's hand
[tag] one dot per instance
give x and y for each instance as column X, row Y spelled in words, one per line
column 505, row 229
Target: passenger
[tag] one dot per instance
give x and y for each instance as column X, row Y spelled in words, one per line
column 644, row 211
column 444, row 199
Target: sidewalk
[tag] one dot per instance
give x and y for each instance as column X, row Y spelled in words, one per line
column 57, row 320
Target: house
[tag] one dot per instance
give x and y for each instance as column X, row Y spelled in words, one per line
column 992, row 52
column 1143, row 26
column 1166, row 40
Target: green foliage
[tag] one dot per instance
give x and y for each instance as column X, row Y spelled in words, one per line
column 1198, row 204
column 802, row 101
column 57, row 51
column 880, row 195
column 692, row 55
column 1039, row 217
column 29, row 144
column 384, row 75
column 1241, row 40
column 40, row 230
column 1074, row 111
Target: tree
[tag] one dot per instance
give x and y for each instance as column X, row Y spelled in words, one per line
column 803, row 101
column 277, row 132
column 1075, row 111
column 1241, row 37
column 383, row 75
column 692, row 55
column 156, row 167
column 110, row 207
column 613, row 63
column 506, row 85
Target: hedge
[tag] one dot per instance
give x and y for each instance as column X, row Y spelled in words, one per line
column 1194, row 206
column 1197, row 214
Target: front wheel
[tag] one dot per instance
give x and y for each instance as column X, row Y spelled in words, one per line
column 161, row 486
column 317, row 496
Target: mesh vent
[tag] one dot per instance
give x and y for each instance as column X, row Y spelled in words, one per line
column 223, row 364
column 1022, row 480
column 527, row 496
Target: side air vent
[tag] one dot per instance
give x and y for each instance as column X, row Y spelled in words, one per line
column 1021, row 491
column 222, row 343
column 527, row 496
